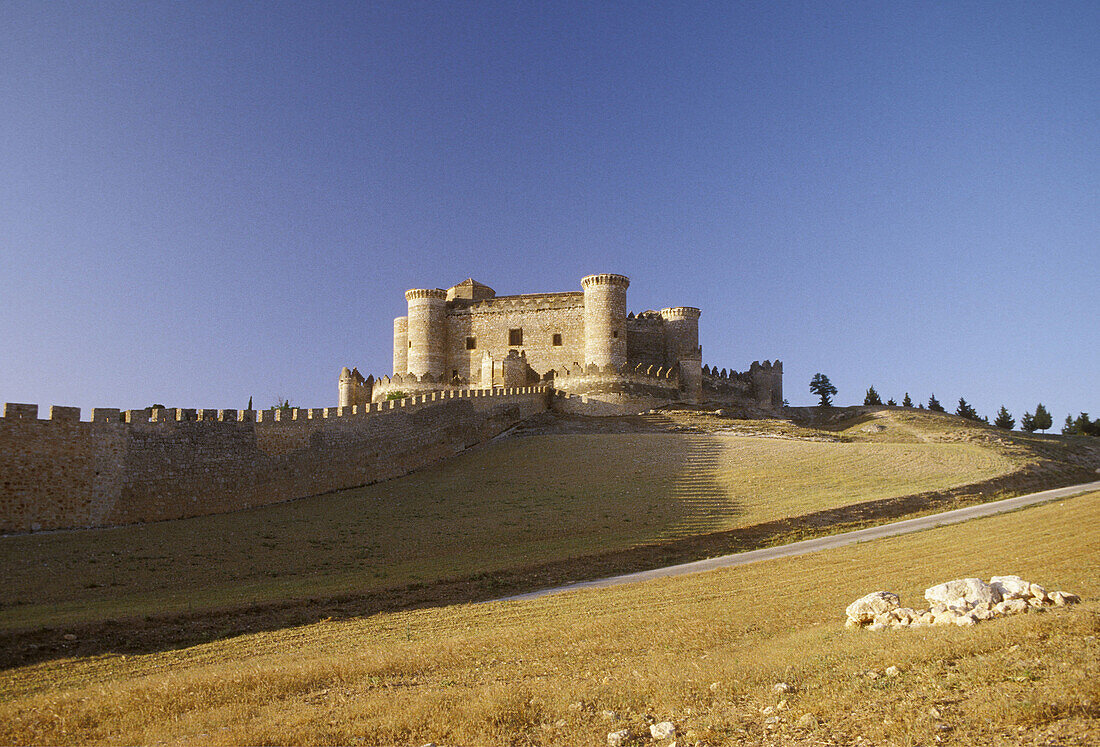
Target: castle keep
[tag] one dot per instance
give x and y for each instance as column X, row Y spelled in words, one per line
column 580, row 342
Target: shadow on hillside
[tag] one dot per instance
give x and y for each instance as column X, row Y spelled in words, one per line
column 161, row 633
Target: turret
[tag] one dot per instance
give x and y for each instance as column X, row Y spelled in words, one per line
column 426, row 331
column 347, row 388
column 605, row 319
column 401, row 345
column 682, row 345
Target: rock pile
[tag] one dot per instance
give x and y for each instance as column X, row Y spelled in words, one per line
column 964, row 601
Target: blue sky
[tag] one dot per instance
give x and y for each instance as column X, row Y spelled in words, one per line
column 203, row 202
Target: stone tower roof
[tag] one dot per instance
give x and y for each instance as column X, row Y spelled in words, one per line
column 471, row 290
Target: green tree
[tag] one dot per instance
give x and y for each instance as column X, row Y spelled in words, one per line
column 1005, row 419
column 891, row 403
column 823, row 388
column 872, row 397
column 906, row 402
column 1069, row 428
column 934, row 404
column 964, row 410
column 1027, row 422
column 1042, row 418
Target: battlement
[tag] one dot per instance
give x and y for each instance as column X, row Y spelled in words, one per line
column 605, row 278
column 681, row 312
column 528, row 301
column 414, row 293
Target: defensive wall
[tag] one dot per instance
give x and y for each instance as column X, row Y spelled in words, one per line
column 124, row 467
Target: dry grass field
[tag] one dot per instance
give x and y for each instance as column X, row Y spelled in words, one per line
column 514, row 502
column 702, row 651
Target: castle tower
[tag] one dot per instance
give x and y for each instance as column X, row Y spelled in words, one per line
column 426, row 331
column 347, row 388
column 401, row 345
column 682, row 341
column 605, row 319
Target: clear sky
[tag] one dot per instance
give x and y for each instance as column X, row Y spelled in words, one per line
column 202, row 202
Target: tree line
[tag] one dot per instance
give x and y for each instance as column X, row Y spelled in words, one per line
column 1040, row 420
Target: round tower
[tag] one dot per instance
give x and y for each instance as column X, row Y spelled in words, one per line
column 605, row 319
column 425, row 330
column 347, row 388
column 682, row 344
column 401, row 345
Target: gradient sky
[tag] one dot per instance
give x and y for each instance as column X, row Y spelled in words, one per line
column 203, row 202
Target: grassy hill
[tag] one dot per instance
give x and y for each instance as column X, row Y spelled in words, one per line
column 568, row 489
column 702, row 651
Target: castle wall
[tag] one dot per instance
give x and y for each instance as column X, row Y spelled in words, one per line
column 540, row 317
column 64, row 473
column 401, row 345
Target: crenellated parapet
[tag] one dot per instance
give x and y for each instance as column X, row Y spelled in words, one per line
column 761, row 385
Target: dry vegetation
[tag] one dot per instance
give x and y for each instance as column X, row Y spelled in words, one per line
column 512, row 503
column 702, row 651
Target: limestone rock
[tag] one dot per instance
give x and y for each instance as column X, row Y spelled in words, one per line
column 663, row 730
column 1038, row 592
column 1011, row 587
column 1062, row 598
column 965, row 621
column 781, row 688
column 864, row 609
column 807, row 721
column 1015, row 606
column 618, row 738
column 968, row 591
column 892, row 671
column 876, row 626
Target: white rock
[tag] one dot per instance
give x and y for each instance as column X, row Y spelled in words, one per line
column 779, row 688
column 876, row 627
column 771, row 720
column 1011, row 587
column 1035, row 601
column 807, row 721
column 1062, row 598
column 1015, row 606
column 967, row 591
column 965, row 621
column 864, row 609
column 618, row 738
column 767, row 711
column 663, row 730
column 892, row 671
column 1038, row 592
column 947, row 617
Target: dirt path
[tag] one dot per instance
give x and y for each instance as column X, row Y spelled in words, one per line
column 822, row 543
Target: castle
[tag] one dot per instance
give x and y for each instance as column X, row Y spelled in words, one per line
column 580, row 342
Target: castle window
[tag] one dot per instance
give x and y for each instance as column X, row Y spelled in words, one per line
column 615, row 333
column 557, row 341
column 515, row 336
column 410, row 343
column 471, row 343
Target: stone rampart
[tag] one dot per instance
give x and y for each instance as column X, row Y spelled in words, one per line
column 131, row 466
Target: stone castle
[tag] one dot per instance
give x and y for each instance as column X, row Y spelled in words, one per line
column 580, row 342
column 468, row 365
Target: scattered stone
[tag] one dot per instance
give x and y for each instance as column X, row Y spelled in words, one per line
column 618, row 738
column 864, row 609
column 1011, row 587
column 807, row 721
column 610, row 715
column 781, row 705
column 1062, row 598
column 69, row 637
column 715, row 686
column 768, row 711
column 663, row 730
column 782, row 688
column 968, row 591
column 892, row 671
column 876, row 626
column 1038, row 592
column 935, row 713
column 771, row 720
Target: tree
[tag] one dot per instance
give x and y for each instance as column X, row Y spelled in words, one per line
column 1027, row 422
column 1042, row 418
column 907, row 402
column 249, row 403
column 1004, row 419
column 823, row 388
column 891, row 403
column 1069, row 428
column 964, row 410
column 934, row 404
column 872, row 397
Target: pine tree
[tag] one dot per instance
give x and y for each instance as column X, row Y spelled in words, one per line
column 934, row 404
column 906, row 402
column 1042, row 418
column 1069, row 428
column 1005, row 419
column 872, row 397
column 822, row 387
column 1027, row 422
column 964, row 410
column 891, row 403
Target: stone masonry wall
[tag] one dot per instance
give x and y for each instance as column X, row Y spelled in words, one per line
column 64, row 473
